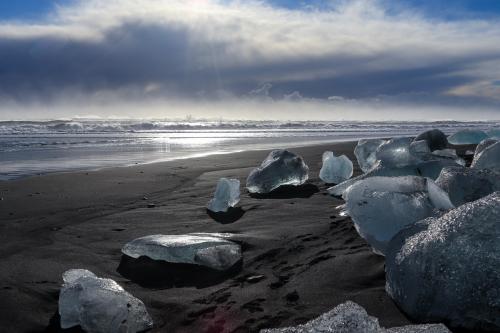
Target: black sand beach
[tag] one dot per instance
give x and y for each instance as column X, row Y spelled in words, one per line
column 301, row 258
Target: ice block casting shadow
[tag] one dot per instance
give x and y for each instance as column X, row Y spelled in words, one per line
column 151, row 273
column 288, row 192
column 232, row 215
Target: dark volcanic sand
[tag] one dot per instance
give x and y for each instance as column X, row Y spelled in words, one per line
column 310, row 258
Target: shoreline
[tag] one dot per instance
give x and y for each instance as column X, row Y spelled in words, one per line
column 55, row 222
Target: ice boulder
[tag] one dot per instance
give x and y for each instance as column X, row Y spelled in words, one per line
column 467, row 136
column 380, row 207
column 350, row 317
column 466, row 184
column 489, row 158
column 395, row 152
column 335, row 169
column 483, row 145
column 227, row 194
column 209, row 250
column 448, row 269
column 280, row 167
column 436, row 140
column 365, row 153
column 100, row 305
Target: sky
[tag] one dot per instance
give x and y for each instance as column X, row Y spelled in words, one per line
column 275, row 59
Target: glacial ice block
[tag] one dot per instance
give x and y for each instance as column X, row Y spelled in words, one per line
column 350, row 317
column 365, row 153
column 466, row 184
column 100, row 305
column 467, row 136
column 483, row 145
column 280, row 167
column 436, row 140
column 209, row 250
column 381, row 206
column 335, row 169
column 227, row 194
column 396, row 153
column 489, row 158
column 448, row 268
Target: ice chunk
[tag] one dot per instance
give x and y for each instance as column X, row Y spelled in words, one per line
column 419, row 147
column 209, row 250
column 365, row 153
column 467, row 136
column 280, row 167
column 382, row 206
column 465, row 184
column 448, row 268
column 100, row 305
column 483, row 145
column 335, row 169
column 227, row 194
column 430, row 169
column 489, row 158
column 494, row 133
column 450, row 153
column 350, row 317
column 395, row 153
column 435, row 139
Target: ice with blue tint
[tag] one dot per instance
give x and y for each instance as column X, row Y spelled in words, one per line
column 436, row 139
column 484, row 144
column 335, row 169
column 419, row 147
column 227, row 194
column 395, row 152
column 467, row 184
column 280, row 167
column 430, row 169
column 100, row 305
column 467, row 136
column 209, row 250
column 488, row 158
column 381, row 206
column 494, row 133
column 365, row 153
column 448, row 268
column 350, row 317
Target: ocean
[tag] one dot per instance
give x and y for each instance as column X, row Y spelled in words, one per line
column 39, row 147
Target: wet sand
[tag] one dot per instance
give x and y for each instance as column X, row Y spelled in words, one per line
column 300, row 258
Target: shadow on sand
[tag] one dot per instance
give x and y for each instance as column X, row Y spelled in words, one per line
column 232, row 215
column 150, row 273
column 288, row 192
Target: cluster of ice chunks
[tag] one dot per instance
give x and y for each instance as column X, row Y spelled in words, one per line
column 280, row 167
column 435, row 139
column 466, row 184
column 467, row 136
column 350, row 317
column 210, row 250
column 447, row 269
column 335, row 169
column 227, row 194
column 380, row 207
column 100, row 305
column 488, row 158
column 365, row 153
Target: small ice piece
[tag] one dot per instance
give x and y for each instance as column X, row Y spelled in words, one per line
column 381, row 206
column 280, row 167
column 335, row 169
column 227, row 194
column 489, row 158
column 467, row 136
column 483, row 145
column 365, row 153
column 466, row 184
column 350, row 317
column 448, row 268
column 435, row 139
column 430, row 169
column 395, row 153
column 450, row 153
column 100, row 305
column 209, row 250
